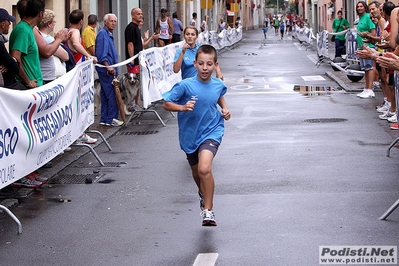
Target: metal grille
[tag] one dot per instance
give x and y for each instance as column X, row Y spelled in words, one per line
column 137, row 133
column 148, row 122
column 106, row 164
column 325, row 120
column 76, row 179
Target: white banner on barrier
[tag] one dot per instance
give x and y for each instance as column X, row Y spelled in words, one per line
column 38, row 124
column 157, row 74
column 322, row 44
column 156, row 64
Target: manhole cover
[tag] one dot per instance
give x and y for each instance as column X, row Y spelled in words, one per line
column 137, row 133
column 325, row 120
column 75, row 179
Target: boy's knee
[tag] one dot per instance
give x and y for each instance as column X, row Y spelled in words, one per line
column 204, row 170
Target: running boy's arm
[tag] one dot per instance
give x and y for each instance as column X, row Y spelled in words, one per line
column 225, row 112
column 174, row 107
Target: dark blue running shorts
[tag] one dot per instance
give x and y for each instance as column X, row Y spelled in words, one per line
column 209, row 144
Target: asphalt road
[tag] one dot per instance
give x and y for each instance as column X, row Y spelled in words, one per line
column 295, row 171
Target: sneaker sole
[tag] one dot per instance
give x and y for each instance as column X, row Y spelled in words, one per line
column 209, row 223
column 385, row 118
column 26, row 186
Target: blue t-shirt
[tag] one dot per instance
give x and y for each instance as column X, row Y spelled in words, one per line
column 205, row 121
column 187, row 67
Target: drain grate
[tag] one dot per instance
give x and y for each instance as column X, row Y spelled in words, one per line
column 137, row 133
column 106, row 164
column 325, row 120
column 75, row 179
column 148, row 122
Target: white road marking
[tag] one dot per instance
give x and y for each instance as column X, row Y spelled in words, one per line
column 313, row 58
column 241, row 87
column 300, row 46
column 312, row 78
column 261, row 92
column 276, row 79
column 206, row 259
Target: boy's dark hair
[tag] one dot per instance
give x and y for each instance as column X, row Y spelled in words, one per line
column 194, row 15
column 174, row 15
column 339, row 12
column 33, row 8
column 92, row 19
column 76, row 16
column 207, row 49
column 388, row 7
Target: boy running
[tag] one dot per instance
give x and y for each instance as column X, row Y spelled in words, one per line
column 201, row 124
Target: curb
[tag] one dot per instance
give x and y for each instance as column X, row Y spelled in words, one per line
column 342, row 84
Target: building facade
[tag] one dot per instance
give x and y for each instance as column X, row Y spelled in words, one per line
column 319, row 13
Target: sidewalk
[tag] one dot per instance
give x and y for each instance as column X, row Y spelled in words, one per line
column 340, row 77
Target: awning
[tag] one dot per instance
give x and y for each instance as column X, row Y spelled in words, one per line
column 229, row 13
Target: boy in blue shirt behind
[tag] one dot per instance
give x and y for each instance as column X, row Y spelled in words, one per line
column 201, row 124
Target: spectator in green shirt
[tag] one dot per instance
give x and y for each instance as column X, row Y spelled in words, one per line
column 23, row 45
column 339, row 24
column 365, row 27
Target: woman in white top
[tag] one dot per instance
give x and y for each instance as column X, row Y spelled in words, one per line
column 204, row 24
column 222, row 25
column 48, row 64
column 193, row 21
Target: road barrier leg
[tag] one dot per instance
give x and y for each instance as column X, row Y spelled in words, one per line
column 102, row 137
column 390, row 210
column 92, row 151
column 16, row 220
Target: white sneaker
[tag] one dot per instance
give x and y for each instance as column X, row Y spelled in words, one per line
column 367, row 94
column 86, row 139
column 386, row 115
column 384, row 108
column 393, row 119
column 208, row 218
column 359, row 94
column 117, row 123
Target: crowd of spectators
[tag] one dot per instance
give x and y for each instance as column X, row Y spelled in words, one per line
column 38, row 56
column 378, row 48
